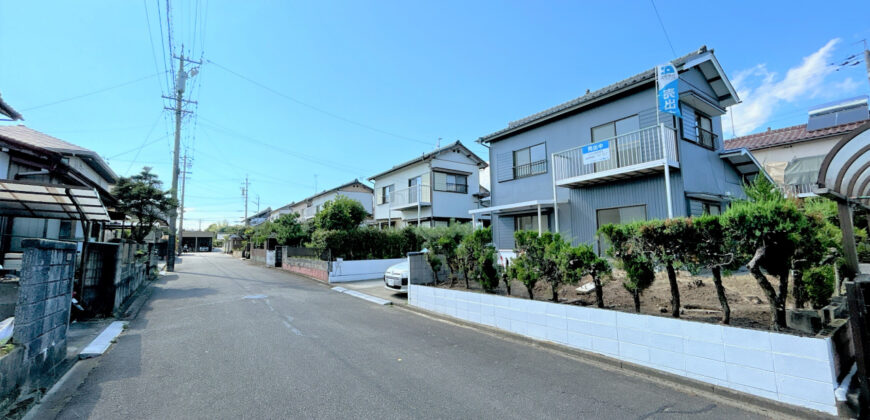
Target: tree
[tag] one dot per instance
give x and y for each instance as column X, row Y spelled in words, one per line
column 820, row 244
column 340, row 213
column 581, row 261
column 639, row 269
column 664, row 243
column 141, row 197
column 477, row 256
column 536, row 260
column 711, row 248
column 442, row 242
column 289, row 231
column 761, row 189
column 767, row 234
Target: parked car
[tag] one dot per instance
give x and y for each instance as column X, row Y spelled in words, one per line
column 396, row 277
column 203, row 249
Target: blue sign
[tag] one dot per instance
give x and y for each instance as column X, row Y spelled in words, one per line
column 667, row 81
column 596, row 152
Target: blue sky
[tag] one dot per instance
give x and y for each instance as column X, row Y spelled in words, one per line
column 366, row 85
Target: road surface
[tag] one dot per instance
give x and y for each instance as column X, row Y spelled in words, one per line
column 222, row 338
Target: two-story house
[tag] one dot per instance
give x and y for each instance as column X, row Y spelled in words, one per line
column 793, row 155
column 430, row 190
column 308, row 207
column 658, row 165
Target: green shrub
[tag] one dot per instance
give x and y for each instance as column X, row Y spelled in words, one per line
column 578, row 262
column 365, row 243
column 442, row 242
column 819, row 285
column 478, row 259
column 639, row 269
column 537, row 259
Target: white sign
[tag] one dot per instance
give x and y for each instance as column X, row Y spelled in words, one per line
column 596, row 152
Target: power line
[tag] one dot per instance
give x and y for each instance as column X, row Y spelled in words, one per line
column 84, row 95
column 673, row 51
column 147, row 136
column 315, row 108
column 151, row 40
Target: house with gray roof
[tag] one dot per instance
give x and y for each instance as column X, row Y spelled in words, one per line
column 429, row 190
column 657, row 165
column 308, row 207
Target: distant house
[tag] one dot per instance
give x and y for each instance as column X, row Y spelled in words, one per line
column 792, row 155
column 309, row 206
column 258, row 217
column 430, row 190
column 31, row 159
column 541, row 179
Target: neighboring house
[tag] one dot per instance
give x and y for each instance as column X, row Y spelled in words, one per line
column 792, row 155
column 258, row 217
column 30, row 157
column 540, row 182
column 430, row 190
column 356, row 190
column 275, row 214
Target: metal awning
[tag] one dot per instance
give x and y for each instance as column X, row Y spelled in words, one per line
column 744, row 162
column 50, row 201
column 525, row 205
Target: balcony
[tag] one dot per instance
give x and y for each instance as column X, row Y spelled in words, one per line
column 309, row 212
column 411, row 197
column 632, row 154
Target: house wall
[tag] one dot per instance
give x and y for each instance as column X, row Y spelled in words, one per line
column 86, row 170
column 456, row 205
column 786, row 153
column 707, row 172
column 400, row 180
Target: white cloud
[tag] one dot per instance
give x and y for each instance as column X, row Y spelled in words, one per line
column 762, row 91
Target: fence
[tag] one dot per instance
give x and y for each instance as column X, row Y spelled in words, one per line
column 112, row 273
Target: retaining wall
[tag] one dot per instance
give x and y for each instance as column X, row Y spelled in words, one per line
column 258, row 255
column 315, row 269
column 360, row 270
column 113, row 272
column 781, row 367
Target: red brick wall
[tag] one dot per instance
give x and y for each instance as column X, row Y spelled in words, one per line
column 313, row 272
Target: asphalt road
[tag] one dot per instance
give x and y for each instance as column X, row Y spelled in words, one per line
column 224, row 339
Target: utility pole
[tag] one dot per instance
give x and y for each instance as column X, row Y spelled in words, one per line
column 180, row 82
column 245, row 187
column 184, row 166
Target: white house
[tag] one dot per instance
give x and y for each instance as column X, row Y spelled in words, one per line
column 308, row 207
column 429, row 190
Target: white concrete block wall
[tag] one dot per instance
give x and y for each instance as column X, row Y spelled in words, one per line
column 782, row 367
column 360, row 270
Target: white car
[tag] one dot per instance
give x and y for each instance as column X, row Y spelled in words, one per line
column 396, row 277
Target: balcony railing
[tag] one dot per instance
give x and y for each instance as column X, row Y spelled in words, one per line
column 799, row 190
column 637, row 151
column 529, row 169
column 411, row 196
column 706, row 138
column 309, row 212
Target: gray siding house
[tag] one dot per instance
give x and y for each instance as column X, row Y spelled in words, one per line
column 539, row 179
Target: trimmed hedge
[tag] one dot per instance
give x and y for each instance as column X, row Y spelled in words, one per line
column 366, row 243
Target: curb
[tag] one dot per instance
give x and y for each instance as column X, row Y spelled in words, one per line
column 729, row 396
column 100, row 344
column 363, row 296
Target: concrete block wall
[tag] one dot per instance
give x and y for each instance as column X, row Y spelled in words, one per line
column 316, row 269
column 43, row 310
column 258, row 255
column 781, row 367
column 421, row 272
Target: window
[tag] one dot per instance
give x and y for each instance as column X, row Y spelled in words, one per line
column 611, row 130
column 700, row 208
column 618, row 216
column 530, row 161
column 530, row 222
column 387, row 194
column 66, row 230
column 412, row 188
column 702, row 130
column 451, row 182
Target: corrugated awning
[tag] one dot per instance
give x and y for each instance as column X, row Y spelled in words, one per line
column 803, row 170
column 50, row 201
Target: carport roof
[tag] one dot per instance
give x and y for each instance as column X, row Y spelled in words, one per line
column 50, row 201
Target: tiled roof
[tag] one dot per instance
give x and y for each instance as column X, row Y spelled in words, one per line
column 645, row 76
column 787, row 135
column 430, row 155
column 31, row 138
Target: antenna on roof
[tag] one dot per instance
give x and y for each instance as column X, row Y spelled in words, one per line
column 438, row 144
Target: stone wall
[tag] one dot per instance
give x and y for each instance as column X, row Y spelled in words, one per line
column 258, row 255
column 113, row 272
column 41, row 318
column 421, row 272
column 316, row 269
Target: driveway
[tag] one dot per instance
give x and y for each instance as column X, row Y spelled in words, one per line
column 225, row 339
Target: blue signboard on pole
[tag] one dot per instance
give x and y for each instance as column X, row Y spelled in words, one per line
column 668, row 90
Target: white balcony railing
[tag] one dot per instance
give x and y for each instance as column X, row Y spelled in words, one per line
column 411, row 196
column 634, row 151
column 799, row 190
column 309, row 212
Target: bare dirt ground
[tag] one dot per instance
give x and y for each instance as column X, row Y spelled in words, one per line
column 749, row 307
